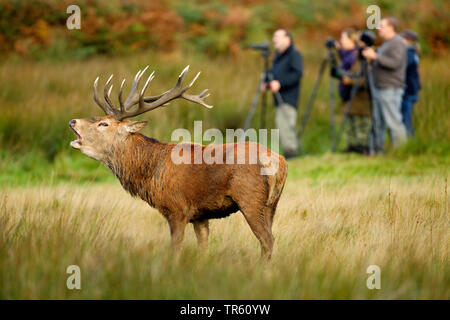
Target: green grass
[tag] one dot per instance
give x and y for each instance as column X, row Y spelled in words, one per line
column 74, row 168
column 35, row 168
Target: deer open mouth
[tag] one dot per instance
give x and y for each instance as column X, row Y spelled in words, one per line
column 75, row 143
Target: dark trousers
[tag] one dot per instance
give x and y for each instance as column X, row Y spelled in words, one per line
column 407, row 107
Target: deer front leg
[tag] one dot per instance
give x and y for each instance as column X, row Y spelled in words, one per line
column 177, row 226
column 202, row 232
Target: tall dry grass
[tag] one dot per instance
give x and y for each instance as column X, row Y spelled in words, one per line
column 326, row 237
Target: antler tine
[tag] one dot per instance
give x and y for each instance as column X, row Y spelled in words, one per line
column 150, row 78
column 133, row 97
column 192, row 82
column 105, row 107
column 120, row 96
column 107, row 93
column 181, row 77
column 137, row 75
column 143, row 71
column 202, row 94
column 199, row 98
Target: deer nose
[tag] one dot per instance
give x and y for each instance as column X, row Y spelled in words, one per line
column 72, row 123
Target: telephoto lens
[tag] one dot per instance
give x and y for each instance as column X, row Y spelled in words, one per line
column 329, row 43
column 368, row 38
column 260, row 46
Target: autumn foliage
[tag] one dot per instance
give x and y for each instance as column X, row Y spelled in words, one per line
column 217, row 27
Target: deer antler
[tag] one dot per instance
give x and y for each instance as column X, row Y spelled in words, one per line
column 146, row 103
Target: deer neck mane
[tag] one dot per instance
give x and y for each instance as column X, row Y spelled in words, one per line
column 135, row 162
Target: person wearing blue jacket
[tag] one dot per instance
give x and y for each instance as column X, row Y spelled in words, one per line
column 412, row 79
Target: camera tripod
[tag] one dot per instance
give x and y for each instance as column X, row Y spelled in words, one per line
column 329, row 59
column 364, row 71
column 265, row 75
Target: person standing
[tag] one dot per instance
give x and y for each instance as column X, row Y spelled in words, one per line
column 358, row 126
column 412, row 79
column 389, row 68
column 287, row 70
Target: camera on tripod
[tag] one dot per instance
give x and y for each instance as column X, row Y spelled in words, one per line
column 265, row 77
column 262, row 47
column 264, row 50
column 330, row 43
column 368, row 38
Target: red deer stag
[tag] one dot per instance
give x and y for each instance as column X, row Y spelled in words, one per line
column 186, row 192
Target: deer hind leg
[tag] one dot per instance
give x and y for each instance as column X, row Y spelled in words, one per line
column 269, row 213
column 261, row 227
column 201, row 229
column 276, row 188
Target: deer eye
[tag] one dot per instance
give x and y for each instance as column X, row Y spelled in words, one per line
column 102, row 124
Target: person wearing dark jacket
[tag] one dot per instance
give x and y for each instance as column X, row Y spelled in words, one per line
column 287, row 70
column 412, row 79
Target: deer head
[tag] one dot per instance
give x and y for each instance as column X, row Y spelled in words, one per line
column 98, row 136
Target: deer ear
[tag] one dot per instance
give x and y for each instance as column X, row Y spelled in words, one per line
column 135, row 126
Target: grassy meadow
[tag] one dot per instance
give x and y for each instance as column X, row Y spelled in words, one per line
column 330, row 226
column 338, row 214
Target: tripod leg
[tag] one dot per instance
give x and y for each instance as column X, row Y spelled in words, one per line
column 332, row 105
column 263, row 109
column 372, row 104
column 251, row 112
column 311, row 98
column 309, row 105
